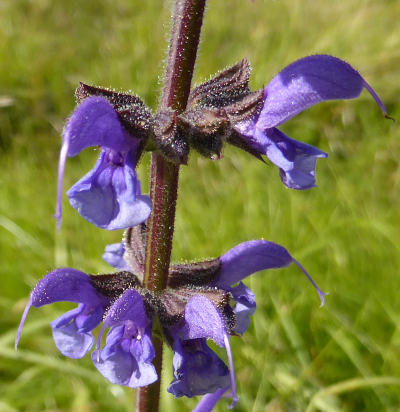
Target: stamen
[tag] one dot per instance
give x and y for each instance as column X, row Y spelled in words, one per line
column 231, row 371
column 378, row 100
column 60, row 178
column 208, row 401
column 21, row 324
column 319, row 291
column 140, row 333
column 98, row 342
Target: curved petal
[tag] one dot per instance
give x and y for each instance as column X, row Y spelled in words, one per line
column 197, row 370
column 129, row 307
column 296, row 160
column 309, row 81
column 114, row 256
column 203, row 320
column 250, row 257
column 66, row 284
column 94, row 123
column 107, row 196
column 71, row 342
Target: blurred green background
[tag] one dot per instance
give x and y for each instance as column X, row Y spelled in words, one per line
column 295, row 356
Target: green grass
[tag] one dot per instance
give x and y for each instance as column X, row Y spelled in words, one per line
column 295, row 356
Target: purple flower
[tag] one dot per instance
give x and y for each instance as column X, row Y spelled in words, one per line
column 128, row 354
column 197, row 369
column 300, row 85
column 208, row 315
column 195, row 307
column 109, row 195
column 72, row 332
column 114, row 256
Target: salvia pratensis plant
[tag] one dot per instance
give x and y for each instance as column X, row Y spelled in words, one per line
column 148, row 301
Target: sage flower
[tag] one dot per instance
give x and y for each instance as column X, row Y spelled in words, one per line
column 225, row 109
column 203, row 301
column 72, row 332
column 300, row 85
column 109, row 196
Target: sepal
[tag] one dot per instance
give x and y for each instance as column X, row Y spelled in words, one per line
column 225, row 88
column 115, row 284
column 169, row 138
column 135, row 248
column 132, row 112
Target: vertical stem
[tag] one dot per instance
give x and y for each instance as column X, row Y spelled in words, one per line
column 186, row 27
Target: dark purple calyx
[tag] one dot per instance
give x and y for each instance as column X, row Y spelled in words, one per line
column 214, row 107
column 196, row 273
column 114, row 285
column 224, row 89
column 169, row 137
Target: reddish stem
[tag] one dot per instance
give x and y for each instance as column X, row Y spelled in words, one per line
column 186, row 27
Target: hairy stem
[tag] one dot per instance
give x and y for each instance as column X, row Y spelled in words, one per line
column 186, row 27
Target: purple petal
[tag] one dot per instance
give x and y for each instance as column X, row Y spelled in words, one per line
column 94, row 123
column 203, row 320
column 308, row 81
column 107, row 196
column 114, row 256
column 122, row 368
column 117, row 367
column 67, row 317
column 129, row 307
column 244, row 308
column 253, row 256
column 197, row 370
column 128, row 353
column 114, row 336
column 143, row 348
column 208, row 401
column 133, row 210
column 250, row 257
column 72, row 331
column 71, row 342
column 66, row 285
column 296, row 160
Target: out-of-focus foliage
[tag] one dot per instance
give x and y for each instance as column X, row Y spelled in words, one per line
column 296, row 356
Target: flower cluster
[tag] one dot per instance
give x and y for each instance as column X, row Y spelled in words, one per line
column 224, row 109
column 204, row 300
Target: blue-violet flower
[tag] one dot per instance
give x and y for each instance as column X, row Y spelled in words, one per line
column 203, row 300
column 109, row 196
